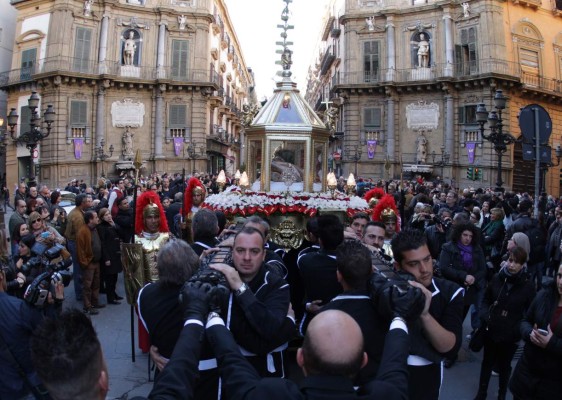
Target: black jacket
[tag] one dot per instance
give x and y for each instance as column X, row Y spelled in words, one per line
column 450, row 262
column 538, row 372
column 124, row 219
column 506, row 300
column 110, row 249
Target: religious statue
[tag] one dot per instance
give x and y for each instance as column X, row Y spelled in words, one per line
column 370, row 23
column 421, row 153
column 182, row 20
column 128, row 143
column 129, row 49
column 281, row 164
column 465, row 9
column 249, row 112
column 423, row 52
column 330, row 118
column 88, row 7
column 286, row 59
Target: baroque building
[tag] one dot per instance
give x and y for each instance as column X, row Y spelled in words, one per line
column 407, row 76
column 166, row 77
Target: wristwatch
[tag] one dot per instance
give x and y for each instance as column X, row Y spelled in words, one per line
column 212, row 315
column 241, row 290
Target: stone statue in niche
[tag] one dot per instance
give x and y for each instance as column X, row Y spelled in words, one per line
column 423, row 52
column 128, row 143
column 129, row 49
column 182, row 21
column 421, row 152
column 465, row 9
column 88, row 7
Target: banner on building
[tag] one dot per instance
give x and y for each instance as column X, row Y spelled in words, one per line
column 371, row 148
column 470, row 148
column 178, row 145
column 78, row 147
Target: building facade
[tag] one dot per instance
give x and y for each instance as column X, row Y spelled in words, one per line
column 407, row 77
column 166, row 77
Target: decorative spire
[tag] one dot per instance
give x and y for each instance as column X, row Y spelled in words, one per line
column 286, row 53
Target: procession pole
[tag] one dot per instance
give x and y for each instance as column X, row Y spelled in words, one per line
column 137, row 163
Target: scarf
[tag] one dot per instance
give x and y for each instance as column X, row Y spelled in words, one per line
column 491, row 227
column 466, row 255
column 513, row 278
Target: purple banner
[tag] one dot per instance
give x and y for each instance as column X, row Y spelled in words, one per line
column 178, row 145
column 371, row 148
column 78, row 147
column 470, row 147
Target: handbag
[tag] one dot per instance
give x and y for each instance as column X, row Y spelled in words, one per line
column 479, row 336
column 477, row 339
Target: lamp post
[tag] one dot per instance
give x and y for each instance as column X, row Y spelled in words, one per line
column 99, row 154
column 354, row 153
column 193, row 151
column 35, row 134
column 546, row 166
column 497, row 137
column 3, row 137
column 444, row 159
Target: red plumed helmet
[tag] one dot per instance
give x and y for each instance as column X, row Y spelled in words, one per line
column 373, row 196
column 149, row 202
column 192, row 184
column 386, row 211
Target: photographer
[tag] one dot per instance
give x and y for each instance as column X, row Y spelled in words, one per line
column 437, row 233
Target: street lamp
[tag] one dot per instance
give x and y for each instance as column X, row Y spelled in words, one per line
column 194, row 151
column 3, row 137
column 354, row 154
column 497, row 137
column 444, row 159
column 99, row 154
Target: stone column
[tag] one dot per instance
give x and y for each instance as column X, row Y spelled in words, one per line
column 160, row 58
column 100, row 116
column 390, row 137
column 449, row 49
column 390, row 48
column 449, row 123
column 159, row 121
column 102, row 54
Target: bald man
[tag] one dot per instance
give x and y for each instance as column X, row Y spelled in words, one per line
column 331, row 355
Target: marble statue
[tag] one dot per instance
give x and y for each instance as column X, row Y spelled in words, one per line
column 128, row 143
column 88, row 7
column 129, row 49
column 423, row 52
column 182, row 20
column 421, row 152
column 465, row 9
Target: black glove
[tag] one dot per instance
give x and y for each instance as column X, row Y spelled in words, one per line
column 195, row 298
column 377, row 284
column 219, row 298
column 407, row 304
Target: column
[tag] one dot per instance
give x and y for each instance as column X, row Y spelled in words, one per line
column 390, row 137
column 161, row 73
column 102, row 54
column 449, row 49
column 159, row 121
column 449, row 123
column 390, row 49
column 100, row 116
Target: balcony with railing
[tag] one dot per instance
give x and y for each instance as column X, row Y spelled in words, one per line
column 108, row 69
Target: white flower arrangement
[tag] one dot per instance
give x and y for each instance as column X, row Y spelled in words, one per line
column 233, row 201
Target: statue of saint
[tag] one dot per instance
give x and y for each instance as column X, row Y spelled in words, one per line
column 280, row 165
column 423, row 52
column 465, row 9
column 421, row 155
column 330, row 118
column 129, row 49
column 128, row 143
column 286, row 59
column 182, row 20
column 88, row 7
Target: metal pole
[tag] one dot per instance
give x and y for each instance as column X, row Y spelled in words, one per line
column 537, row 162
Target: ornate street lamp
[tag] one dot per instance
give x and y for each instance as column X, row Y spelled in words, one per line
column 497, row 137
column 100, row 154
column 3, row 137
column 35, row 135
column 444, row 159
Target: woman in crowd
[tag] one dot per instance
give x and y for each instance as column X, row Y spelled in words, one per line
column 462, row 261
column 110, row 255
column 493, row 234
column 31, row 205
column 507, row 298
column 43, row 233
column 20, row 230
column 485, row 213
column 538, row 374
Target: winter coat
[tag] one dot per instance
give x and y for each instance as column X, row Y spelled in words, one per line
column 111, row 249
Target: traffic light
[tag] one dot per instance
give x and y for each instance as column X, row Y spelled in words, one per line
column 470, row 173
column 477, row 173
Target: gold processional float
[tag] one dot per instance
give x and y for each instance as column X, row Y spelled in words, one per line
column 286, row 157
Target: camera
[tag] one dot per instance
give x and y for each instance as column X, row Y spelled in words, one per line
column 53, row 272
column 206, row 274
column 445, row 223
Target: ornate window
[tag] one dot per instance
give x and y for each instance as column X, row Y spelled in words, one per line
column 371, row 61
column 82, row 46
column 466, row 53
column 180, row 59
column 177, row 122
column 528, row 51
column 78, row 127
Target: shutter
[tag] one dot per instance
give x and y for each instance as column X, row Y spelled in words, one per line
column 177, row 115
column 78, row 113
column 372, row 118
column 461, row 117
column 25, row 118
column 179, row 58
column 82, row 47
column 458, row 60
column 28, row 58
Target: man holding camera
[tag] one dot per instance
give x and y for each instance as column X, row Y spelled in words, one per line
column 439, row 332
